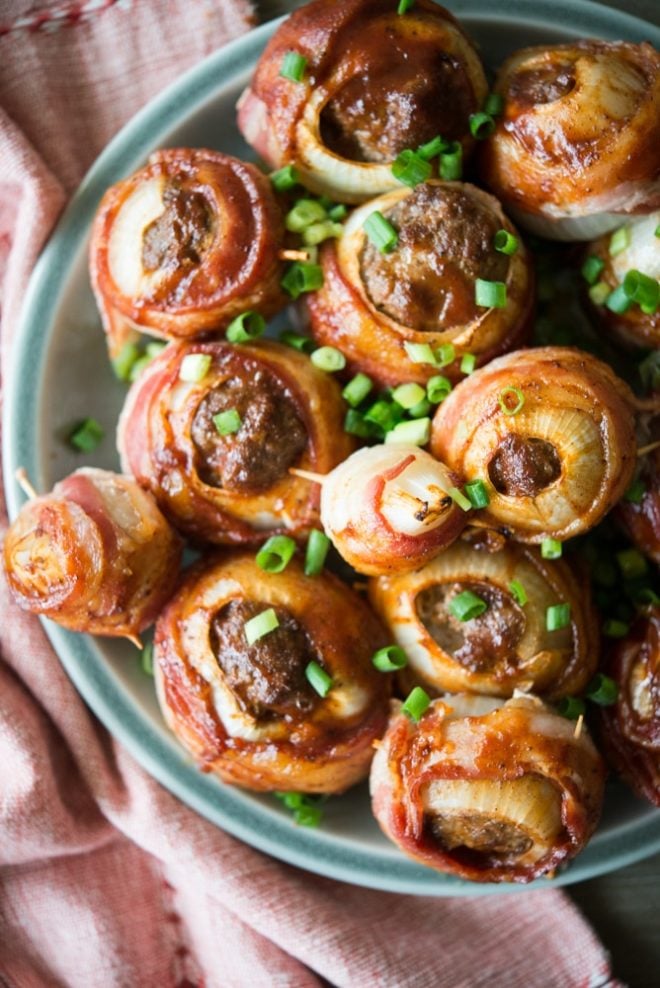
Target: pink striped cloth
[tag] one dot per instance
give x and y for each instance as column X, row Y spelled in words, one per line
column 106, row 880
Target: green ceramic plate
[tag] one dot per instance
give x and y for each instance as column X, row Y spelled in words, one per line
column 60, row 374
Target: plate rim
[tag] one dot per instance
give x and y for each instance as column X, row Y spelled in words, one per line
column 274, row 834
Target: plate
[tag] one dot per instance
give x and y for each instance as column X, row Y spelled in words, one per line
column 61, row 374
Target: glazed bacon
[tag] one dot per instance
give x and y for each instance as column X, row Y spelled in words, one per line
column 372, row 304
column 234, row 488
column 185, row 245
column 487, row 791
column 577, row 144
column 640, row 517
column 634, row 327
column 388, row 509
column 551, row 431
column 248, row 711
column 508, row 646
column 631, row 727
column 375, row 83
column 94, row 555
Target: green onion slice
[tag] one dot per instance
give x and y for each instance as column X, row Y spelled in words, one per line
column 437, row 388
column 432, row 148
column 389, row 659
column 248, row 326
column 337, row 212
column 304, row 213
column 404, row 6
column 642, row 289
column 123, row 362
column 551, row 549
column 227, row 422
column 482, row 125
column 357, row 389
column 494, row 104
column 592, row 268
column 477, row 493
column 410, row 168
column 631, row 563
column 318, row 232
column 385, row 414
column 409, row 395
column 445, row 354
column 518, row 592
column 194, row 367
column 558, row 616
column 306, row 809
column 329, row 359
column 380, row 232
column 260, row 625
column 505, row 242
column 417, row 702
column 355, row 425
column 420, row 353
column 296, row 340
column 602, row 690
column 615, row 629
column 617, row 301
column 414, row 433
column 506, row 405
column 451, row 163
column 293, row 66
column 420, row 410
column 459, row 498
column 285, row 178
column 86, row 436
column 318, row 678
column 147, row 659
column 467, row 605
column 619, row 240
column 636, row 491
column 599, row 293
column 490, row 294
column 302, row 276
column 571, row 707
column 318, row 544
column 276, row 554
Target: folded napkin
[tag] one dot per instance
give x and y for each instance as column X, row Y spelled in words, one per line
column 107, row 880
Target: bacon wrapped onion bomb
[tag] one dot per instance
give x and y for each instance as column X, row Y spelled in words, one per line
column 268, row 680
column 94, row 555
column 185, row 245
column 341, row 89
column 624, row 271
column 577, row 144
column 479, row 621
column 639, row 511
column 487, row 791
column 388, row 509
column 631, row 727
column 551, row 431
column 212, row 429
column 391, row 310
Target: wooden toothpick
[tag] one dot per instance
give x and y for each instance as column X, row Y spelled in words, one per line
column 23, row 482
column 643, row 450
column 578, row 727
column 287, row 254
column 316, row 478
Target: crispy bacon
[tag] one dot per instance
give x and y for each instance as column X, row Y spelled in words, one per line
column 184, row 245
column 94, row 555
column 487, row 791
column 248, row 712
column 234, row 488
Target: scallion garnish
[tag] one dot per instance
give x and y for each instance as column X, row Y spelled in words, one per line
column 417, row 702
column 505, row 242
column 518, row 592
column 420, row 410
column 636, row 491
column 459, row 498
column 316, row 233
column 380, row 232
column 123, row 362
column 86, row 436
column 337, row 212
column 643, row 290
column 147, row 659
column 615, row 629
column 490, row 294
column 437, row 389
column 619, row 240
column 416, row 432
column 318, row 678
column 296, row 340
column 328, row 359
column 631, row 563
column 276, row 553
column 389, row 659
column 445, row 354
column 304, row 213
column 408, row 395
column 410, row 168
column 482, row 125
column 494, row 104
column 571, row 707
column 293, row 66
column 355, row 425
column 285, row 178
column 451, row 162
column 602, row 690
column 468, row 363
column 302, row 276
column 306, row 809
column 194, row 367
column 599, row 293
column 432, row 148
column 551, row 549
column 260, row 625
column 477, row 493
column 591, row 269
column 318, row 544
column 248, row 326
column 139, row 366
column 404, row 6
column 357, row 389
column 467, row 605
column 420, row 353
column 228, row 422
column 505, row 396
column 558, row 616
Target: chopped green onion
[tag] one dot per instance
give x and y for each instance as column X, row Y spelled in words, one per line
column 558, row 616
column 657, row 230
column 355, row 425
column 318, row 232
column 477, row 493
column 467, row 605
column 86, row 436
column 506, row 406
column 571, row 707
column 275, row 554
column 318, row 544
column 635, row 492
column 122, row 363
column 551, row 549
column 437, row 388
column 147, row 659
column 301, row 276
column 380, row 232
column 619, row 240
column 306, row 809
column 293, row 66
column 248, row 326
column 445, row 354
column 643, row 290
column 329, row 359
column 296, row 340
column 615, row 629
column 505, row 242
column 404, row 6
column 420, row 353
column 602, row 690
column 357, row 389
column 305, row 212
column 416, row 432
column 451, row 163
column 631, row 563
column 260, row 625
column 482, row 125
column 227, row 422
column 645, row 595
column 308, row 816
column 490, row 294
column 408, row 395
column 285, row 178
column 194, row 367
column 599, row 293
column 432, row 148
column 411, row 169
column 468, row 361
column 389, row 659
column 385, row 414
column 337, row 212
column 417, row 702
column 318, row 678
column 459, row 498
column 519, row 593
column 591, row 269
column 140, row 365
column 420, row 410
column 494, row 104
